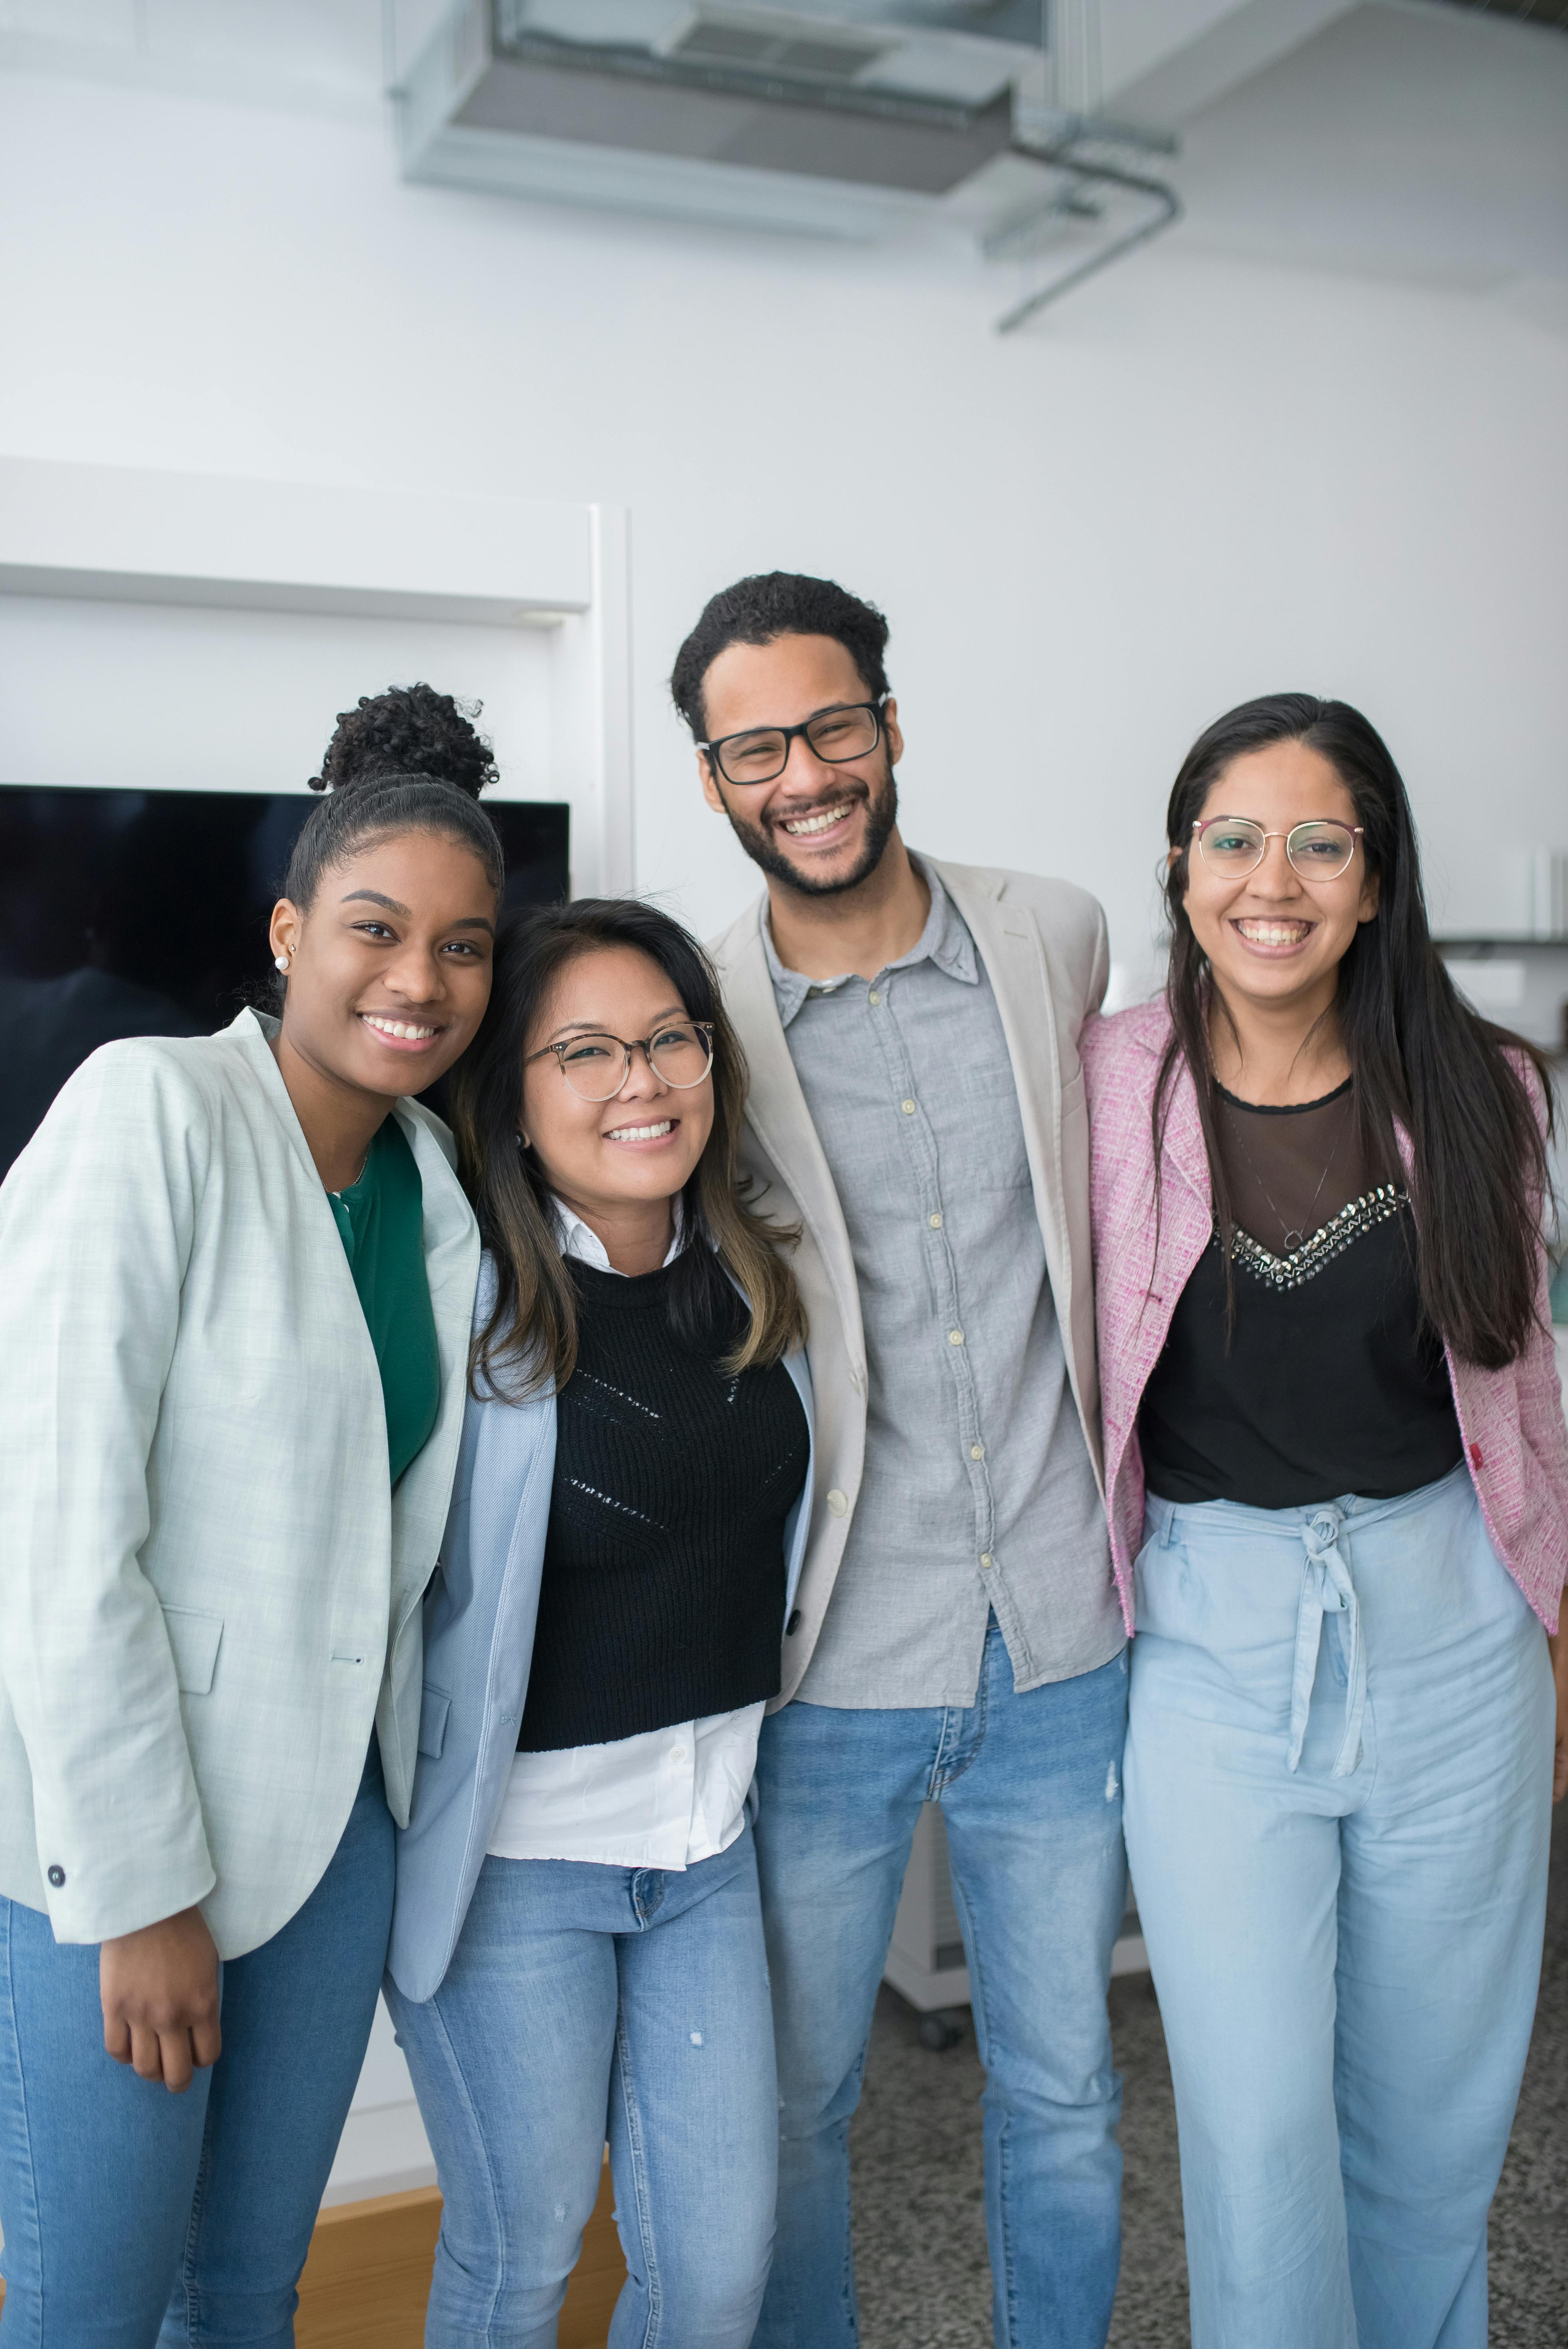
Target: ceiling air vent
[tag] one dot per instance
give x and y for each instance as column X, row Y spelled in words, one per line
column 747, row 117
column 720, row 40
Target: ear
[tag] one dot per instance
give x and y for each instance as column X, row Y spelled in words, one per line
column 709, row 779
column 892, row 729
column 285, row 929
column 1371, row 895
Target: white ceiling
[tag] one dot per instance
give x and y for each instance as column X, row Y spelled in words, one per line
column 1392, row 137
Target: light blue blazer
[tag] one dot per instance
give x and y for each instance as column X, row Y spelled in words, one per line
column 479, row 1616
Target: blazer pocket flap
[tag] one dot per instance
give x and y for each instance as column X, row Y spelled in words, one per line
column 194, row 1638
column 433, row 1708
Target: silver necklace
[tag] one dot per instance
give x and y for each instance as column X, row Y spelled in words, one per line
column 1292, row 1238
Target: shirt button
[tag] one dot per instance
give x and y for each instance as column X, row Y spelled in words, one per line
column 986, row 1559
column 977, row 1452
column 793, row 1625
column 57, row 1876
column 838, row 1504
column 936, row 1222
column 677, row 1753
column 956, row 1336
column 908, row 1108
column 874, row 996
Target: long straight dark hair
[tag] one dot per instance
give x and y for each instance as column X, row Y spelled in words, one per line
column 1420, row 1058
column 529, row 1342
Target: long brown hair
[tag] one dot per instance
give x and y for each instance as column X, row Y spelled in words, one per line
column 1420, row 1057
column 528, row 1344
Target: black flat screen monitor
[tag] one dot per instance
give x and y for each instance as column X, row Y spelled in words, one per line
column 145, row 913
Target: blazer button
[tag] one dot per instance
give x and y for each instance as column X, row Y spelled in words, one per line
column 838, row 1504
column 793, row 1625
column 57, row 1876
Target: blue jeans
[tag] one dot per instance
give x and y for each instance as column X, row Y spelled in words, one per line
column 134, row 2217
column 1338, row 1805
column 1030, row 1787
column 583, row 2000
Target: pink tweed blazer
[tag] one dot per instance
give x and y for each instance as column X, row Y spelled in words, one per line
column 1511, row 1420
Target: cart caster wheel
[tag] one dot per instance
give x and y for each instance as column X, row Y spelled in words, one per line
column 942, row 2029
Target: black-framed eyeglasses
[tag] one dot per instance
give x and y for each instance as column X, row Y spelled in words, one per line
column 760, row 754
column 596, row 1064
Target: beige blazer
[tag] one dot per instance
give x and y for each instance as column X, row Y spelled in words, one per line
column 1043, row 944
column 208, row 1593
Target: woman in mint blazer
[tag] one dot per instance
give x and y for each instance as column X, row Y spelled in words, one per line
column 577, row 1947
column 236, row 1280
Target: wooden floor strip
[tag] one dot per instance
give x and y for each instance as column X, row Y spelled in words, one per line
column 368, row 2275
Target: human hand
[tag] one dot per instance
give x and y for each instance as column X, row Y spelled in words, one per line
column 159, row 1988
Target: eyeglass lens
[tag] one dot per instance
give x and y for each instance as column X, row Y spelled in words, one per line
column 1235, row 845
column 596, row 1067
column 836, row 735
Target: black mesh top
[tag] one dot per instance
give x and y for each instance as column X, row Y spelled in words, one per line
column 1325, row 1384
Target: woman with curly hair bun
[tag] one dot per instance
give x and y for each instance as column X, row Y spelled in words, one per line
column 236, row 1280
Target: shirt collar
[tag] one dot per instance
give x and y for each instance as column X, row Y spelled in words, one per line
column 576, row 1238
column 945, row 941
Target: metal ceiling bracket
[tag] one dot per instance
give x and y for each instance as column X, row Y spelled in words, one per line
column 1074, row 201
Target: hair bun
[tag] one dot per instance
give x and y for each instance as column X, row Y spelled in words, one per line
column 409, row 729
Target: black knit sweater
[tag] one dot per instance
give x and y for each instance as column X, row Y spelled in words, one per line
column 663, row 1593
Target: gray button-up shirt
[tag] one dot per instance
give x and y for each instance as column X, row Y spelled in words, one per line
column 978, row 1493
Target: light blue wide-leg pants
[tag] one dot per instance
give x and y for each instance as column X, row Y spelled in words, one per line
column 1338, row 1811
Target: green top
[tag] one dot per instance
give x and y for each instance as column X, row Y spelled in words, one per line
column 381, row 1221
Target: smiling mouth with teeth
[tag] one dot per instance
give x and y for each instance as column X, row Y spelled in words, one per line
column 1275, row 934
column 404, row 1031
column 640, row 1132
column 804, row 827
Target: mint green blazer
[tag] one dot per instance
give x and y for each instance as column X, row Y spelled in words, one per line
column 209, row 1594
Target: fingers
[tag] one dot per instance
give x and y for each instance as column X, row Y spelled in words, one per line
column 207, row 2040
column 175, row 2048
column 146, row 2052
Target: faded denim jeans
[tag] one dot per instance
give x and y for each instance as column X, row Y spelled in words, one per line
column 585, row 2000
column 1030, row 1789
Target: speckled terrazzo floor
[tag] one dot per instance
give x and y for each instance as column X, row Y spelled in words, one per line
column 919, row 2232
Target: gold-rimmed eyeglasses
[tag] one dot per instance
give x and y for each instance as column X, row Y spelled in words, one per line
column 1236, row 845
column 596, row 1065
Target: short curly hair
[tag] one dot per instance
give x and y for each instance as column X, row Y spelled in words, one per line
column 778, row 604
column 409, row 729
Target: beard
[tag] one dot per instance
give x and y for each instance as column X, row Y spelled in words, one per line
column 882, row 815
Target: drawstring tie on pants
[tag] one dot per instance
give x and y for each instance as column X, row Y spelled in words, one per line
column 1326, row 1589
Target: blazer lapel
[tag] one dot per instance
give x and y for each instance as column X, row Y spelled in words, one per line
column 777, row 1112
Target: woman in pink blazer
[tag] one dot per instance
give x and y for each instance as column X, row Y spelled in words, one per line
column 1338, row 1474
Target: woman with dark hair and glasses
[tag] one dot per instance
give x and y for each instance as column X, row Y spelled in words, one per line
column 577, row 1942
column 1335, row 1441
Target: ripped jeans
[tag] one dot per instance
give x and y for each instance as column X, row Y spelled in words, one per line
column 586, row 2001
column 1030, row 1789
column 1338, row 1805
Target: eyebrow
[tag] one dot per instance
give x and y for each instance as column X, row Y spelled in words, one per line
column 374, row 897
column 597, row 1027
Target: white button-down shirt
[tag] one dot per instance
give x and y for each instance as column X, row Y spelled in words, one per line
column 666, row 1799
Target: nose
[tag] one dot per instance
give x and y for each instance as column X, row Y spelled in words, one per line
column 804, row 771
column 1277, row 876
column 644, row 1081
column 417, row 973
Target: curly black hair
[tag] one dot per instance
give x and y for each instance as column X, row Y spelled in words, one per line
column 409, row 729
column 778, row 604
column 407, row 760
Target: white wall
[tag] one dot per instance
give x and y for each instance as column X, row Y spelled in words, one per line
column 1200, row 479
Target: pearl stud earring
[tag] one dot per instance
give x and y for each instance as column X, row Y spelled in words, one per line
column 281, row 962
